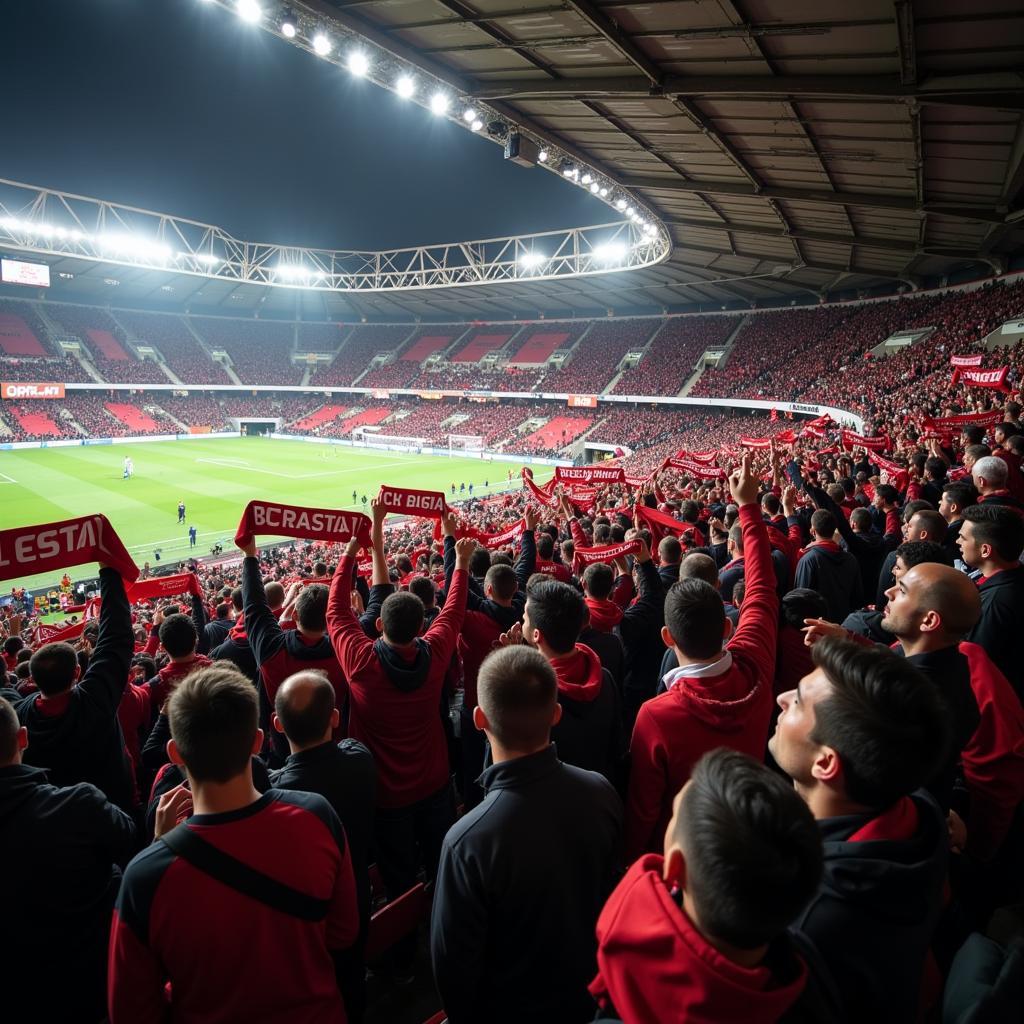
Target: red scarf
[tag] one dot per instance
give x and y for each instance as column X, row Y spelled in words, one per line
column 164, row 586
column 756, row 442
column 897, row 824
column 331, row 525
column 28, row 550
column 701, row 470
column 591, row 474
column 659, row 523
column 945, row 423
column 852, row 439
column 540, row 495
column 983, row 378
column 408, row 502
column 967, row 360
column 606, row 553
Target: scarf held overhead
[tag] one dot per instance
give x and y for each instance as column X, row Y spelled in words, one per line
column 164, row 586
column 27, row 550
column 331, row 525
column 406, row 501
column 606, row 553
column 983, row 378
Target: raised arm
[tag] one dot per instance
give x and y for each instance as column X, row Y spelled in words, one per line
column 444, row 632
column 107, row 675
column 352, row 646
column 264, row 631
column 199, row 617
column 526, row 563
column 473, row 599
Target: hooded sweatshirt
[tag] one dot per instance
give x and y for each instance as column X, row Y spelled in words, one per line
column 655, row 967
column 590, row 733
column 237, row 650
column 833, row 573
column 394, row 698
column 161, row 685
column 873, row 918
column 727, row 703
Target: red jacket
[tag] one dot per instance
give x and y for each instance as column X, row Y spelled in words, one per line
column 732, row 708
column 654, row 967
column 394, row 702
column 993, row 760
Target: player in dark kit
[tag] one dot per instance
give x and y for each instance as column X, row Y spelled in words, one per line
column 181, row 511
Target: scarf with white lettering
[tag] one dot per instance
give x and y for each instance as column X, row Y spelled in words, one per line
column 28, row 550
column 164, row 586
column 605, row 553
column 405, row 501
column 268, row 518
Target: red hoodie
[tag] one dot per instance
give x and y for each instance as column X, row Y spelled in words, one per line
column 729, row 708
column 656, row 968
column 162, row 683
column 590, row 734
column 605, row 615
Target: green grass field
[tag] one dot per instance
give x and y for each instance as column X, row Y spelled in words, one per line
column 215, row 479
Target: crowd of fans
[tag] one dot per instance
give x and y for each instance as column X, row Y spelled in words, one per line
column 366, row 341
column 170, row 336
column 260, row 350
column 743, row 743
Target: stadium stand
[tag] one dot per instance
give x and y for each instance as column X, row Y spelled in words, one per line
column 171, row 337
column 324, row 414
column 480, row 344
column 22, row 334
column 598, row 357
column 366, row 341
column 313, row 337
column 260, row 350
column 556, row 434
column 137, row 421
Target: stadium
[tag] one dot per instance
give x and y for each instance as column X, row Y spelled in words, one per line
column 627, row 380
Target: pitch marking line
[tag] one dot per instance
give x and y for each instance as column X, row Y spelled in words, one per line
column 7, row 479
column 248, row 467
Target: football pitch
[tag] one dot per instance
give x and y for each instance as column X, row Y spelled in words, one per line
column 215, row 479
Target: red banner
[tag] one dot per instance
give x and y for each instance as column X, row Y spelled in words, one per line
column 983, row 378
column 979, row 419
column 698, row 469
column 408, row 502
column 606, row 553
column 966, row 360
column 591, row 474
column 28, row 550
column 851, row 440
column 164, row 586
column 756, row 442
column 327, row 524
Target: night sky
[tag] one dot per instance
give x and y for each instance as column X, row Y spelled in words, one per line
column 178, row 106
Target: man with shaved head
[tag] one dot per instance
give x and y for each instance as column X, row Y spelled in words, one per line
column 931, row 609
column 344, row 775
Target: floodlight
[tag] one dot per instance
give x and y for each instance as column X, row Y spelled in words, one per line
column 322, row 45
column 630, row 211
column 249, row 10
column 594, row 188
column 358, row 63
column 586, row 179
column 603, row 191
column 439, row 103
column 611, row 252
column 530, row 260
column 477, row 125
column 405, row 87
column 542, row 156
column 289, row 24
column 620, row 204
column 469, row 115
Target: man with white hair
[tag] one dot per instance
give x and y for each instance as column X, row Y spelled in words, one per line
column 990, row 478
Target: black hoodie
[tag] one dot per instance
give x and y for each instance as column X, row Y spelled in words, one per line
column 1002, row 623
column 873, row 917
column 76, row 736
column 68, row 846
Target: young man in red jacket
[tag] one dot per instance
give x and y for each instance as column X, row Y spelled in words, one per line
column 394, row 700
column 716, row 697
column 699, row 936
column 235, row 913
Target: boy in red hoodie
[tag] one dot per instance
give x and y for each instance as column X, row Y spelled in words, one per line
column 699, row 935
column 716, row 697
column 395, row 696
column 589, row 734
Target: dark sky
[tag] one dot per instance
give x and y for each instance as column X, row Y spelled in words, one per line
column 178, row 106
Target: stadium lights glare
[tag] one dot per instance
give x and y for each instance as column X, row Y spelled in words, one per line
column 610, row 252
column 439, row 103
column 542, row 156
column 322, row 45
column 630, row 211
column 594, row 187
column 200, row 257
column 358, row 63
column 477, row 125
column 469, row 115
column 586, row 179
column 620, row 204
column 249, row 10
column 289, row 24
column 291, row 272
column 603, row 191
column 530, row 260
column 405, row 87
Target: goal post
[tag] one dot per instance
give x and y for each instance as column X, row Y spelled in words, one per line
column 465, row 444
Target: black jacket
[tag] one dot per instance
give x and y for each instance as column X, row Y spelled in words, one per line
column 84, row 743
column 345, row 776
column 522, row 879
column 1001, row 626
column 835, row 575
column 68, row 845
column 238, row 651
column 640, row 631
column 873, row 917
column 608, row 647
column 217, row 632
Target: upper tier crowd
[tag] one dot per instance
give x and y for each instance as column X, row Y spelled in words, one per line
column 738, row 736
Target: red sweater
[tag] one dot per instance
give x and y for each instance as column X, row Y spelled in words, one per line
column 730, row 709
column 655, row 967
column 400, row 724
column 993, row 760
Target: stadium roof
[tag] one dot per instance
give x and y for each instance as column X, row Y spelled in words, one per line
column 789, row 148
